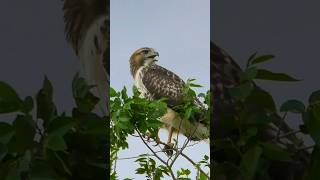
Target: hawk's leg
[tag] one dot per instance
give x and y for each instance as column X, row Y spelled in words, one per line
column 168, row 147
column 157, row 139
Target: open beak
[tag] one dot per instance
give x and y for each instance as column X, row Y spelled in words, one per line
column 153, row 55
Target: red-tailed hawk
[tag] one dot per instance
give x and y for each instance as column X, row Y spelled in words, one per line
column 155, row 82
column 87, row 30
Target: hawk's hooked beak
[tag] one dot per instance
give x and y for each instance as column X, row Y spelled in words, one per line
column 153, row 55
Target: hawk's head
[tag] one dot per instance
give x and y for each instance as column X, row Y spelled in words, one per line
column 142, row 57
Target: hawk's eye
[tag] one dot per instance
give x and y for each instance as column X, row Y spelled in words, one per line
column 145, row 51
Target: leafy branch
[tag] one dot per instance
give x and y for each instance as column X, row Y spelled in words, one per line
column 42, row 143
column 259, row 144
column 135, row 115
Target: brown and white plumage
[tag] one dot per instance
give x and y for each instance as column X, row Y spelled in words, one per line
column 155, row 82
column 87, row 30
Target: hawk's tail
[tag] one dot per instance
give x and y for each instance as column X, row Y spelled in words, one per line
column 195, row 130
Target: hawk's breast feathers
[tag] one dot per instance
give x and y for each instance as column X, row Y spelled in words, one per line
column 157, row 82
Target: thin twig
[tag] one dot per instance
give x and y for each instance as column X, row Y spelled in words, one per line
column 150, row 147
column 134, row 157
column 186, row 157
column 194, row 164
column 189, row 159
column 289, row 134
column 155, row 154
column 184, row 146
column 282, row 121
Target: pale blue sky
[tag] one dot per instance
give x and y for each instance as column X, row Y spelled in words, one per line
column 180, row 31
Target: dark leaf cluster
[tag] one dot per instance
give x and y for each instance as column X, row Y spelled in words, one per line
column 42, row 143
column 248, row 152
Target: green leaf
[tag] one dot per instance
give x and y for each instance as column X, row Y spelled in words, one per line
column 314, row 170
column 85, row 100
column 183, row 172
column 274, row 152
column 190, row 80
column 203, row 176
column 60, row 126
column 25, row 131
column 56, row 161
column 41, row 170
column 113, row 92
column 9, row 99
column 6, row 132
column 140, row 171
column 96, row 126
column 316, row 111
column 251, row 58
column 252, row 131
column 258, row 119
column 261, row 59
column 57, row 128
column 124, row 94
column 249, row 74
column 195, row 85
column 314, row 97
column 88, row 103
column 261, row 98
column 28, row 104
column 293, row 106
column 264, row 74
column 3, row 151
column 79, row 87
column 226, row 170
column 55, row 143
column 249, row 162
column 241, row 92
column 188, row 112
column 9, row 170
column 135, row 91
column 46, row 109
column 124, row 123
column 312, row 122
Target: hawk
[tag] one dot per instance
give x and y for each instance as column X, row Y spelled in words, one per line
column 155, row 82
column 87, row 30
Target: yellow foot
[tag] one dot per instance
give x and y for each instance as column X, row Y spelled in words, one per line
column 147, row 136
column 157, row 140
column 168, row 149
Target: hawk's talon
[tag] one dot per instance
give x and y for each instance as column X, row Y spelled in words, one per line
column 157, row 140
column 147, row 136
column 168, row 149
